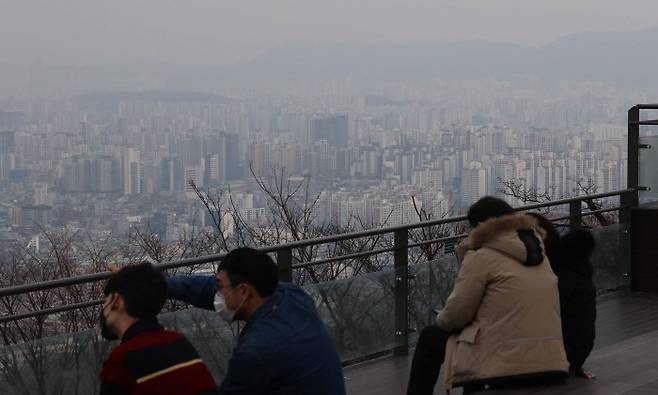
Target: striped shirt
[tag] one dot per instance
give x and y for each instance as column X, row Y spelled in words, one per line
column 151, row 360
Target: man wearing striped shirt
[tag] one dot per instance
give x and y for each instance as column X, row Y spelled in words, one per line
column 150, row 359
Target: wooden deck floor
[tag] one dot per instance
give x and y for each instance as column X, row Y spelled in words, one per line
column 625, row 358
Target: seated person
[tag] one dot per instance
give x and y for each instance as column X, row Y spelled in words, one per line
column 284, row 348
column 502, row 318
column 149, row 359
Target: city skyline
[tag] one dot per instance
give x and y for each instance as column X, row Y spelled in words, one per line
column 107, row 163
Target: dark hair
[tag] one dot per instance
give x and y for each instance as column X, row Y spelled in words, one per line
column 143, row 288
column 551, row 240
column 246, row 265
column 487, row 207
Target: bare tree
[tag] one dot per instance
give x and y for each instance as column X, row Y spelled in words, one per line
column 353, row 289
column 32, row 359
column 517, row 189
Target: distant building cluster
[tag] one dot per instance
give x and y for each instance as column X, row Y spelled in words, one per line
column 371, row 161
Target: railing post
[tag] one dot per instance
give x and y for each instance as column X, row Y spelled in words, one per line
column 575, row 214
column 401, row 265
column 632, row 198
column 627, row 200
column 284, row 261
column 633, row 168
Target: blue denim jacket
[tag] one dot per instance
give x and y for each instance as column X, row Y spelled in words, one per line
column 284, row 348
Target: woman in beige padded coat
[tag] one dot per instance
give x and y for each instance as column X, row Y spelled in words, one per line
column 502, row 318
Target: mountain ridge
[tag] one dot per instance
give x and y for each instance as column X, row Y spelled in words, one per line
column 623, row 59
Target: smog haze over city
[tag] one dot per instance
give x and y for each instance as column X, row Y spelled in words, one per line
column 161, row 120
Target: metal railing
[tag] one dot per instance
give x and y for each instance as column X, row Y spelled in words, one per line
column 400, row 249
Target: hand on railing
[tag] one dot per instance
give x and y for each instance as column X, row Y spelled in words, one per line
column 113, row 267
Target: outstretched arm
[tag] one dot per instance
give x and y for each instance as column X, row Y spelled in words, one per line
column 197, row 290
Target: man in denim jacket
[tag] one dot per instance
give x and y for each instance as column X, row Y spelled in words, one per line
column 284, row 347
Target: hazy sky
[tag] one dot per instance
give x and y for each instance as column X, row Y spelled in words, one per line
column 81, row 32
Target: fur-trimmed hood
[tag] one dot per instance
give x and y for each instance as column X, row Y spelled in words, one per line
column 515, row 235
column 504, row 309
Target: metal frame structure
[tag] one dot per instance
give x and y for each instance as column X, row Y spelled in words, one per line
column 634, row 146
column 633, row 178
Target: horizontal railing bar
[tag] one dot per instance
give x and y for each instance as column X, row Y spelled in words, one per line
column 343, row 257
column 439, row 240
column 86, row 278
column 375, row 252
column 648, row 122
column 588, row 213
column 76, row 306
column 50, row 311
column 360, row 234
column 57, row 283
column 575, row 199
column 647, row 106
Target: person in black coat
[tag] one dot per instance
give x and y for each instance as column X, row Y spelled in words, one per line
column 577, row 298
column 569, row 257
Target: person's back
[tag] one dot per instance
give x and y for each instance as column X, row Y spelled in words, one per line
column 149, row 359
column 577, row 298
column 502, row 318
column 517, row 289
column 152, row 360
column 284, row 347
column 288, row 345
column 505, row 302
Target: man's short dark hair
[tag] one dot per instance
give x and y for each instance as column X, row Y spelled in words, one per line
column 247, row 265
column 143, row 288
column 487, row 207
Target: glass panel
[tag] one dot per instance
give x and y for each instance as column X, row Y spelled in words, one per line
column 213, row 338
column 610, row 258
column 359, row 312
column 66, row 364
column 433, row 280
column 71, row 363
column 429, row 289
column 649, row 168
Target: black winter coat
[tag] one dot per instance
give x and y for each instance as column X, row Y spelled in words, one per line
column 577, row 295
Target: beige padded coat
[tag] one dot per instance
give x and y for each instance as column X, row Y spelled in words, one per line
column 504, row 307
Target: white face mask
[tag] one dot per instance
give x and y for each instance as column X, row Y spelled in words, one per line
column 224, row 312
